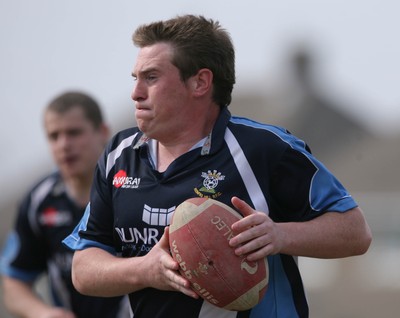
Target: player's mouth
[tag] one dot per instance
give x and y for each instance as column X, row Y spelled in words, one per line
column 141, row 107
column 70, row 160
column 142, row 112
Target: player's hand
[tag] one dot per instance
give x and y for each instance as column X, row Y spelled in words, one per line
column 256, row 235
column 54, row 312
column 164, row 272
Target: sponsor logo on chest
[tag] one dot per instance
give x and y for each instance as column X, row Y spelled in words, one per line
column 52, row 217
column 122, row 180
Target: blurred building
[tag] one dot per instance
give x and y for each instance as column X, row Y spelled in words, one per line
column 367, row 164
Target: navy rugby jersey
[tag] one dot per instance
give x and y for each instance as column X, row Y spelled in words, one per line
column 131, row 203
column 45, row 217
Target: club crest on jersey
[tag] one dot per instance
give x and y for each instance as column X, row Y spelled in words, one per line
column 121, row 180
column 210, row 183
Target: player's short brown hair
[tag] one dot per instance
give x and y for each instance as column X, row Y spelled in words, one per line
column 198, row 43
column 68, row 100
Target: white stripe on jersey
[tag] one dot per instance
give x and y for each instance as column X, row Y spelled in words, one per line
column 113, row 155
column 59, row 285
column 247, row 174
column 36, row 199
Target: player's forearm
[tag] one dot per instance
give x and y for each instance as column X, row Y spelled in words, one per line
column 98, row 273
column 332, row 235
column 21, row 300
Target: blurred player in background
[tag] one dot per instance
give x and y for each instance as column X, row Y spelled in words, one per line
column 186, row 145
column 76, row 134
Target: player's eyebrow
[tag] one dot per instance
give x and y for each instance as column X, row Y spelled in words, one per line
column 144, row 72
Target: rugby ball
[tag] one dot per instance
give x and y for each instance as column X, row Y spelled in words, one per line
column 199, row 236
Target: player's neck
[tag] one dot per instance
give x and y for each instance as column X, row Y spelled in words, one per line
column 170, row 146
column 79, row 190
column 166, row 154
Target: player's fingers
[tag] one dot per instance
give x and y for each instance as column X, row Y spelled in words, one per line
column 251, row 221
column 260, row 253
column 176, row 280
column 250, row 218
column 59, row 313
column 242, row 206
column 188, row 292
column 254, row 245
column 251, row 227
column 179, row 283
column 164, row 240
column 168, row 262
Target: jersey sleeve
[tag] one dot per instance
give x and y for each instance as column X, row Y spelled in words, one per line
column 303, row 188
column 23, row 256
column 95, row 229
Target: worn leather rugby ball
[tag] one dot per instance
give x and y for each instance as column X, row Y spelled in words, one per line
column 199, row 234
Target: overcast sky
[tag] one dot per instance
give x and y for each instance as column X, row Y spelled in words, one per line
column 49, row 46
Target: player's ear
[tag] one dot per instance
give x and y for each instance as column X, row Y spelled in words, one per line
column 104, row 131
column 202, row 82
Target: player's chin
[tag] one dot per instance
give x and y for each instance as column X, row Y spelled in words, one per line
column 143, row 118
column 73, row 171
column 143, row 125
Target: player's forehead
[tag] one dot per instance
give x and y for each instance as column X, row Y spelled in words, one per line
column 73, row 118
column 154, row 57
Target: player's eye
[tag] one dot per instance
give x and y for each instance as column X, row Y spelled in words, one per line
column 151, row 77
column 52, row 136
column 75, row 132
